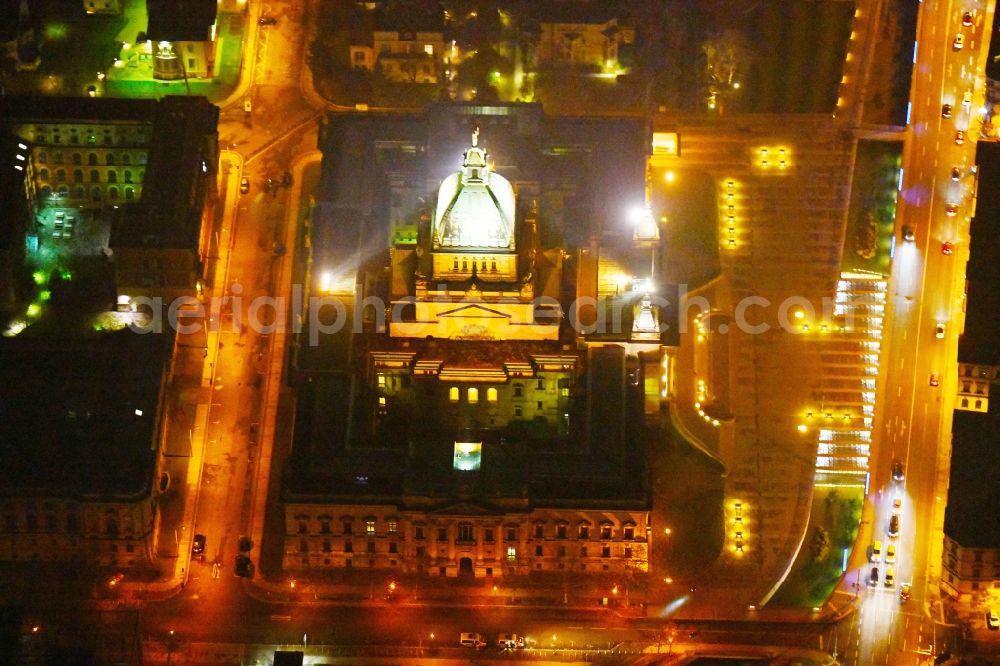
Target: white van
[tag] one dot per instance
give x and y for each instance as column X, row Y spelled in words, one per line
column 472, row 640
column 510, row 642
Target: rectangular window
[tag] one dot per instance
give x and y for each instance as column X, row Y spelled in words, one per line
column 418, row 532
column 629, row 533
column 465, row 532
column 560, row 531
column 539, row 531
column 324, row 526
column 584, row 531
column 510, row 534
column 348, row 547
column 442, row 534
column 605, row 531
column 628, row 551
column 391, row 527
column 303, row 526
column 538, row 551
column 370, row 527
column 393, row 548
column 488, row 535
column 511, row 553
column 371, row 546
column 605, row 551
column 326, row 546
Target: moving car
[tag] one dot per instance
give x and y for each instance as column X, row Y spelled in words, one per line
column 894, row 525
column 897, row 503
column 244, row 185
column 935, row 379
column 956, row 174
column 966, row 19
column 198, row 547
column 967, row 99
column 908, row 235
column 897, row 470
column 267, row 20
column 247, row 105
column 876, row 551
column 939, row 328
column 951, row 209
column 890, row 554
column 960, row 137
column 904, row 593
column 946, row 110
column 947, row 247
column 469, row 639
column 958, row 42
column 244, row 566
column 873, row 577
column 992, row 621
column 890, row 577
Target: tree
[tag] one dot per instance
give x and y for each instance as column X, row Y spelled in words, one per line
column 727, row 60
column 820, row 546
column 482, row 67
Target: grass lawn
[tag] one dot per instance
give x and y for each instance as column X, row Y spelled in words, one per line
column 872, row 213
column 836, row 514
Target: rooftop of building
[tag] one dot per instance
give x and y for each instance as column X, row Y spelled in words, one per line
column 48, row 108
column 978, row 341
column 180, row 20
column 580, row 12
column 973, row 514
column 80, row 412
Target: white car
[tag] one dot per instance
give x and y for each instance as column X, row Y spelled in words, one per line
column 992, row 621
column 959, row 41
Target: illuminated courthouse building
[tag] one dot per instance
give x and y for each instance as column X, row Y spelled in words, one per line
column 474, row 430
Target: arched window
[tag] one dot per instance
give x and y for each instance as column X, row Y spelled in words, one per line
column 109, row 159
column 113, row 193
column 453, row 394
column 77, row 159
column 77, row 175
column 63, row 190
column 43, row 157
column 79, row 192
column 43, row 174
column 60, row 175
column 112, row 176
column 46, row 191
column 491, row 395
column 95, row 176
column 129, row 194
column 473, row 395
column 126, row 159
column 92, row 159
column 128, row 176
column 95, row 193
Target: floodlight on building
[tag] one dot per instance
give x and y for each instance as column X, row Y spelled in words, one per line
column 21, row 146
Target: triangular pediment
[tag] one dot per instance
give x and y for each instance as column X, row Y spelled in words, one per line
column 466, row 509
column 475, row 311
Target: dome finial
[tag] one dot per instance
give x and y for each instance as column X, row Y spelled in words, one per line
column 475, row 136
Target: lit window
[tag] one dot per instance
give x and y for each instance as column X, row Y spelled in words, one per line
column 453, row 394
column 473, row 395
column 511, row 553
column 381, row 401
column 491, row 395
column 369, row 527
column 429, row 49
column 392, row 526
column 381, row 380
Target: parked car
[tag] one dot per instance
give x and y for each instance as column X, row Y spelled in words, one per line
column 876, row 551
column 894, row 525
column 244, row 566
column 267, row 20
column 873, row 577
column 992, row 621
column 890, row 577
column 939, row 330
column 510, row 642
column 904, row 593
column 890, row 554
column 897, row 470
column 198, row 546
